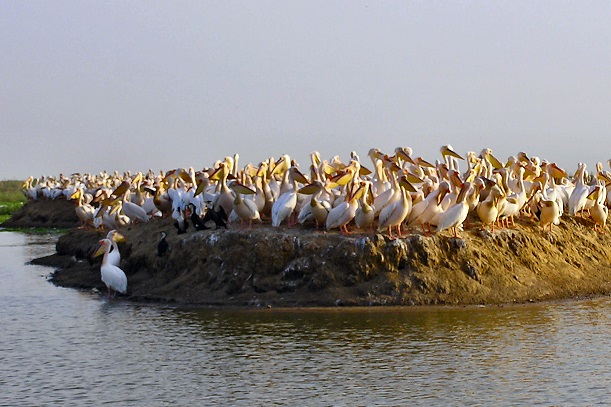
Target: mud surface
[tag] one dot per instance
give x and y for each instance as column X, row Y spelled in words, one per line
column 57, row 213
column 268, row 266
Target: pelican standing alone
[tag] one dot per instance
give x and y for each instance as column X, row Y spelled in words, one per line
column 112, row 276
column 114, row 256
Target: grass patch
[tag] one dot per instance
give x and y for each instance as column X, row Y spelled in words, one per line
column 7, row 208
column 10, row 192
column 37, row 231
column 11, row 198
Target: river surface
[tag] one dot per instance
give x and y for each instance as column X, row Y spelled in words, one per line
column 61, row 346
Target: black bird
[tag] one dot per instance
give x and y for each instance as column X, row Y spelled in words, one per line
column 219, row 217
column 182, row 224
column 198, row 223
column 163, row 246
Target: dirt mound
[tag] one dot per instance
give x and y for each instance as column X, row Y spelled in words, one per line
column 300, row 267
column 58, row 213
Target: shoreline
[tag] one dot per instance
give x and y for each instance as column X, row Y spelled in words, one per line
column 281, row 267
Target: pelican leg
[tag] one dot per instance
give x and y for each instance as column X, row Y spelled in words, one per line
column 467, row 223
column 455, row 230
column 400, row 232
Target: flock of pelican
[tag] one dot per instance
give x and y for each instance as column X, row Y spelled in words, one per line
column 397, row 194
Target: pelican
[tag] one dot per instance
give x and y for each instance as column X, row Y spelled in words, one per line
column 431, row 208
column 389, row 196
column 343, row 213
column 134, row 211
column 510, row 208
column 112, row 276
column 394, row 214
column 114, row 256
column 29, row 191
column 487, row 210
column 450, row 156
column 318, row 208
column 162, row 200
column 455, row 215
column 365, row 213
column 286, row 203
column 84, row 211
column 599, row 211
column 549, row 214
column 245, row 209
column 225, row 196
column 579, row 196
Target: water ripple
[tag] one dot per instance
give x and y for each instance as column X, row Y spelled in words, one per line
column 62, row 346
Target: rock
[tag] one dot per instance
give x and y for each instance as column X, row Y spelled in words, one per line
column 268, row 266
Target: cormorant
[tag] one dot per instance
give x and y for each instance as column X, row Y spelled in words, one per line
column 163, row 245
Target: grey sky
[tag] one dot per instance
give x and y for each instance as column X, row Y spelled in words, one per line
column 90, row 86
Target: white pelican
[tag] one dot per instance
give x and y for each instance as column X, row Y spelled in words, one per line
column 343, row 213
column 549, row 214
column 380, row 181
column 245, row 209
column 431, row 208
column 30, row 191
column 389, row 196
column 225, row 195
column 365, row 213
column 318, row 208
column 259, row 198
column 138, row 198
column 509, row 209
column 114, row 256
column 450, row 156
column 455, row 215
column 394, row 214
column 112, row 276
column 599, row 211
column 134, row 211
column 84, row 211
column 162, row 200
column 487, row 210
column 286, row 203
column 579, row 196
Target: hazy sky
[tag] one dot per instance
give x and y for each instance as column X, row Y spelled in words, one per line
column 87, row 86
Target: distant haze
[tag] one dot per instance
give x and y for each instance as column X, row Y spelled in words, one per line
column 115, row 85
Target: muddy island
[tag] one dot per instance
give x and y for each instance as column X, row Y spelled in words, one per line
column 267, row 266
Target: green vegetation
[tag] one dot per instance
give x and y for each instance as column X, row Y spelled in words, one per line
column 11, row 198
column 38, row 231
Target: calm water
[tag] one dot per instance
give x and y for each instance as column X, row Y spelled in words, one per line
column 64, row 347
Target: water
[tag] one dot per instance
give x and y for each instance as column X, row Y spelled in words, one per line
column 64, row 347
